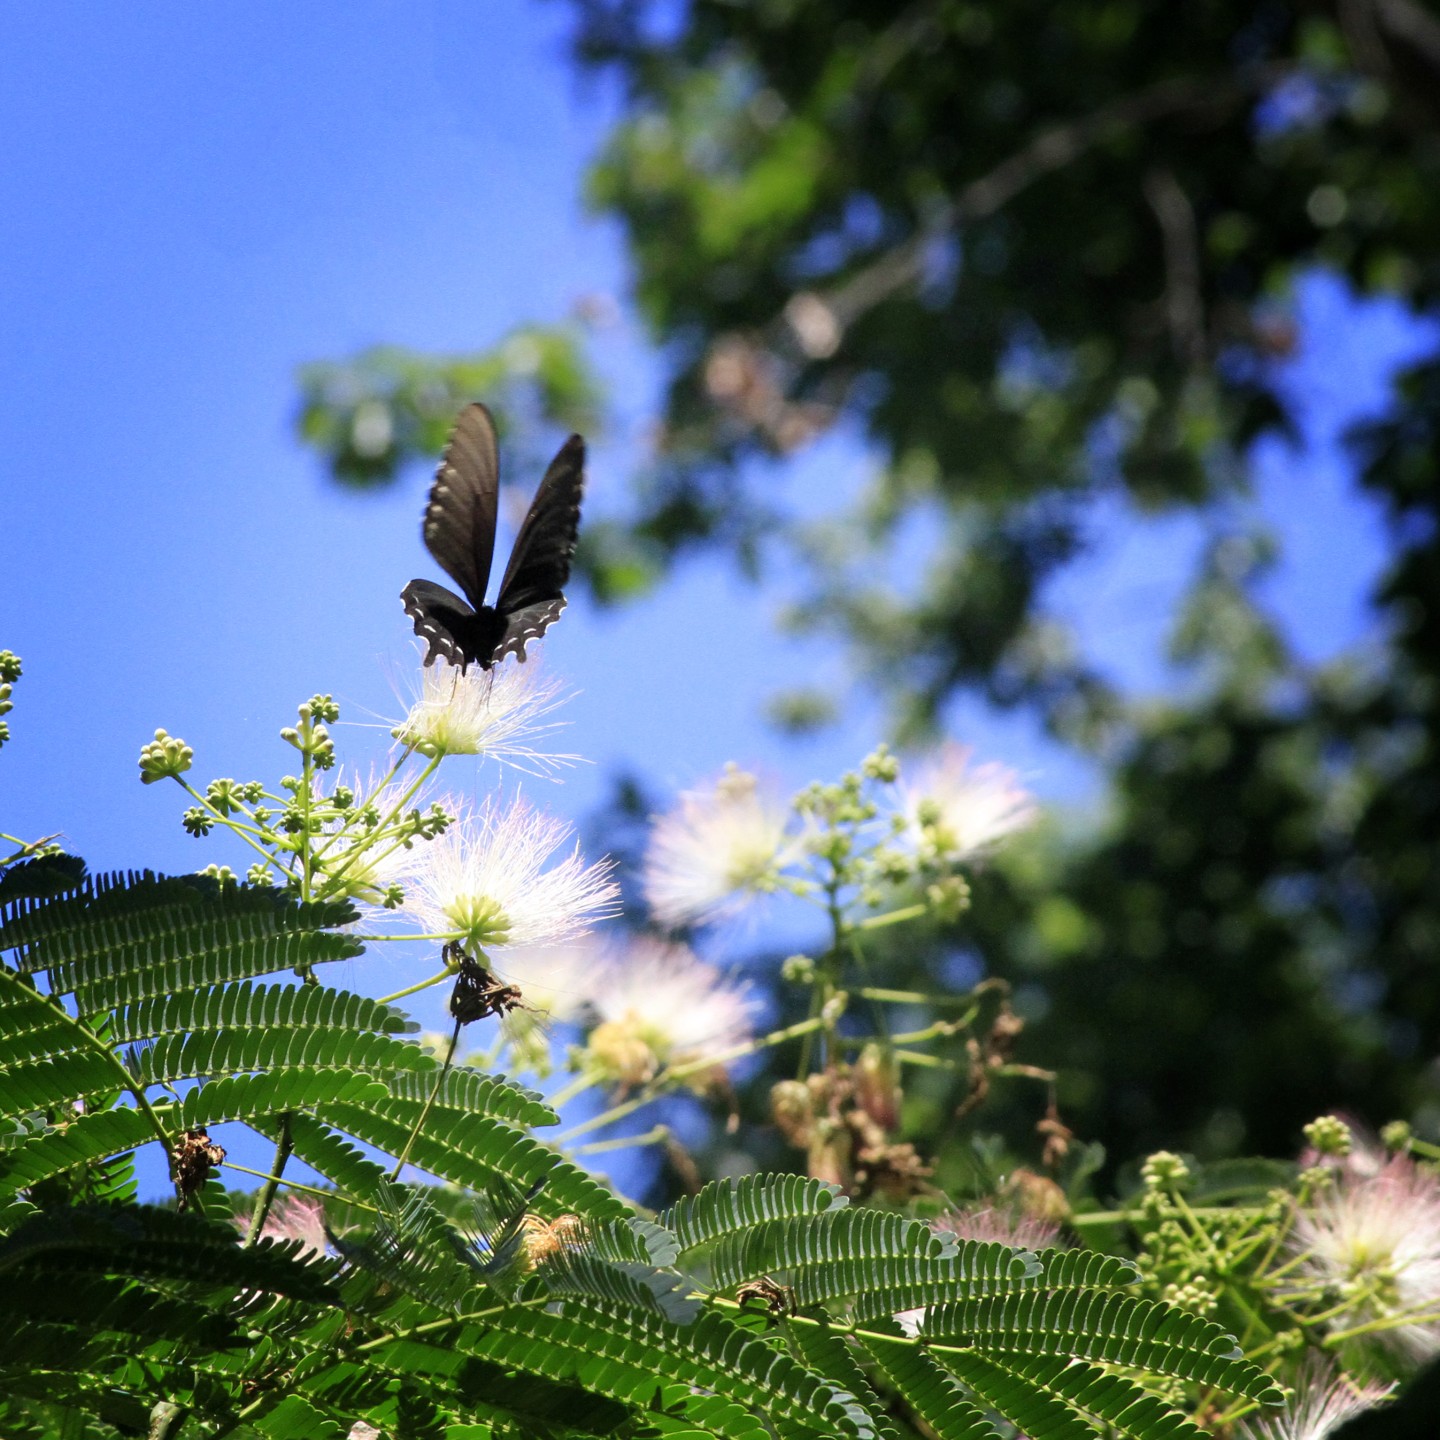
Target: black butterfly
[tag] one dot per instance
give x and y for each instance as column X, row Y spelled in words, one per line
column 459, row 531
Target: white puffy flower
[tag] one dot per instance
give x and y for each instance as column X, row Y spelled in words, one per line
column 485, row 880
column 1376, row 1241
column 363, row 863
column 716, row 851
column 496, row 712
column 1322, row 1403
column 955, row 811
column 661, row 1005
column 294, row 1217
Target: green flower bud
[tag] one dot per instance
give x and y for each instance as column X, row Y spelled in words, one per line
column 881, row 765
column 223, row 873
column 1330, row 1135
column 1165, row 1170
column 223, row 795
column 291, row 736
column 9, row 666
column 948, row 898
column 259, row 874
column 1396, row 1135
column 197, row 822
column 798, row 970
column 165, row 755
column 321, row 707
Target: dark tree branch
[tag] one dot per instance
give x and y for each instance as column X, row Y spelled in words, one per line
column 1184, row 303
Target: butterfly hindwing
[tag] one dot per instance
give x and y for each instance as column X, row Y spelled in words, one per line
column 442, row 620
column 459, row 524
column 526, row 624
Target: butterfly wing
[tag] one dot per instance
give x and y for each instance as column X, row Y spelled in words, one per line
column 459, row 524
column 531, row 594
column 447, row 625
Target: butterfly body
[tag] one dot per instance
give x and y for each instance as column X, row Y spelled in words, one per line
column 459, row 531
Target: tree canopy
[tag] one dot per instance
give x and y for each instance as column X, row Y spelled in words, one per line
column 1043, row 258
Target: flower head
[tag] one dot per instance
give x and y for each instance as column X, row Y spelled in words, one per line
column 495, row 712
column 1002, row 1226
column 954, row 811
column 1376, row 1241
column 484, row 880
column 294, row 1217
column 715, row 851
column 660, row 1005
column 1322, row 1403
column 368, row 857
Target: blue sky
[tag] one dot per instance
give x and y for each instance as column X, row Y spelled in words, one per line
column 196, row 200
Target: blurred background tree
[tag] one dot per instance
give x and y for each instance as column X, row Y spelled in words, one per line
column 1043, row 258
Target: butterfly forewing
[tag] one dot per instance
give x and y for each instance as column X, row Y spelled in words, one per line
column 540, row 560
column 459, row 526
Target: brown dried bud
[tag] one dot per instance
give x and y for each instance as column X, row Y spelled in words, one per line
column 1037, row 1196
column 793, row 1110
column 194, row 1158
column 877, row 1087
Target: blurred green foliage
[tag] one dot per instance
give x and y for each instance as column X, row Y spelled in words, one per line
column 1042, row 257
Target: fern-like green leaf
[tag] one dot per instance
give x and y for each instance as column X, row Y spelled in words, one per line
column 875, row 1261
column 620, row 1283
column 148, row 1241
column 296, row 1419
column 1114, row 1399
column 929, row 1391
column 121, row 939
column 241, row 1097
column 726, row 1207
column 473, row 1150
column 1022, row 1402
column 465, row 1092
column 328, row 1153
column 832, row 1355
column 1083, row 1270
column 248, row 1006
column 208, row 1054
column 644, row 1361
column 86, row 1138
column 1102, row 1326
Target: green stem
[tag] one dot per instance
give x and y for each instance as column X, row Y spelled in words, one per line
column 913, row 997
column 444, row 975
column 241, row 830
column 315, row 1190
column 1417, row 1316
column 653, row 1136
column 567, row 1092
column 395, row 810
column 892, row 917
column 429, row 1105
column 450, row 1322
column 283, row 1147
